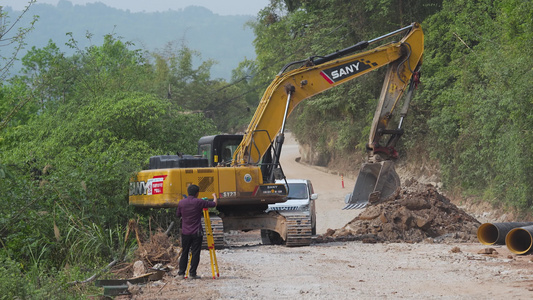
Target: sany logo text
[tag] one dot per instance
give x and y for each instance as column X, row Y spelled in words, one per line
column 152, row 186
column 347, row 70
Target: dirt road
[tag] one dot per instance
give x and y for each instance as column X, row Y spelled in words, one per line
column 329, row 187
column 350, row 270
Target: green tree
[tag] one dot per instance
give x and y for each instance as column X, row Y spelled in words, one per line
column 193, row 89
column 477, row 62
column 12, row 35
column 72, row 159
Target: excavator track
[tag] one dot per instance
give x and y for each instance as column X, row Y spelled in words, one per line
column 218, row 232
column 299, row 229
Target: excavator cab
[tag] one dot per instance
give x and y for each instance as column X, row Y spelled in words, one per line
column 213, row 151
column 218, row 149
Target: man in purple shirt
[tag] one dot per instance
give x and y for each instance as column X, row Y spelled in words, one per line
column 190, row 210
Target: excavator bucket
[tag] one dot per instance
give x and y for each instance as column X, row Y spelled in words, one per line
column 375, row 183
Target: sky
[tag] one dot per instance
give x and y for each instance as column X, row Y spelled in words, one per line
column 221, row 7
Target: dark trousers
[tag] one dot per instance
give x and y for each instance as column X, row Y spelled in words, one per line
column 194, row 244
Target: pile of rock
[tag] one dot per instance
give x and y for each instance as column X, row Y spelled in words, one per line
column 419, row 213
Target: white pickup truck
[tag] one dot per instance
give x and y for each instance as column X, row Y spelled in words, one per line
column 301, row 198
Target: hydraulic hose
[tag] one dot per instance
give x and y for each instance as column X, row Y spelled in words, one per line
column 495, row 233
column 520, row 240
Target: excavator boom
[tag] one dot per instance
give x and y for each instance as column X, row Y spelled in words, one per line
column 289, row 88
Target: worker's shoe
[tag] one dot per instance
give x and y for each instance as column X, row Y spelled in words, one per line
column 195, row 277
column 180, row 276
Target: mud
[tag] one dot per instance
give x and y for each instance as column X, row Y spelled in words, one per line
column 418, row 213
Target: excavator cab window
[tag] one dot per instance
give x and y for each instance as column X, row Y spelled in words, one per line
column 205, row 152
column 219, row 149
column 228, row 148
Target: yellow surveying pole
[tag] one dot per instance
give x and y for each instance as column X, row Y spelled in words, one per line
column 188, row 265
column 210, row 243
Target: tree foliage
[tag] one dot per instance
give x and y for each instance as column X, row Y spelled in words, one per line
column 193, row 89
column 12, row 37
column 92, row 120
column 481, row 99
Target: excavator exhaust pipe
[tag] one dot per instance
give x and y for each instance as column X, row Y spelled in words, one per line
column 375, row 183
column 520, row 240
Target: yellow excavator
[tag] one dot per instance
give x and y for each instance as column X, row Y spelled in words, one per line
column 242, row 169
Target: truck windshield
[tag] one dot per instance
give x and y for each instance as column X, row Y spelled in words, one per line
column 297, row 191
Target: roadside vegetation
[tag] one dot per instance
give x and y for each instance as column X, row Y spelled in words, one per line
column 75, row 128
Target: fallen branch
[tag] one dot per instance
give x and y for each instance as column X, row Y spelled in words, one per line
column 169, row 228
column 162, row 287
column 123, row 269
column 464, row 43
column 95, row 275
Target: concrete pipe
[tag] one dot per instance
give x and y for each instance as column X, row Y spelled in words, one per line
column 520, row 240
column 495, row 233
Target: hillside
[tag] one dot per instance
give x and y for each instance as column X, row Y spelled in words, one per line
column 224, row 39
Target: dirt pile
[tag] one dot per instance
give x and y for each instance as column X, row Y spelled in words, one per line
column 418, row 213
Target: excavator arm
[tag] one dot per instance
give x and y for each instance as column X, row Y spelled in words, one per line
column 318, row 74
